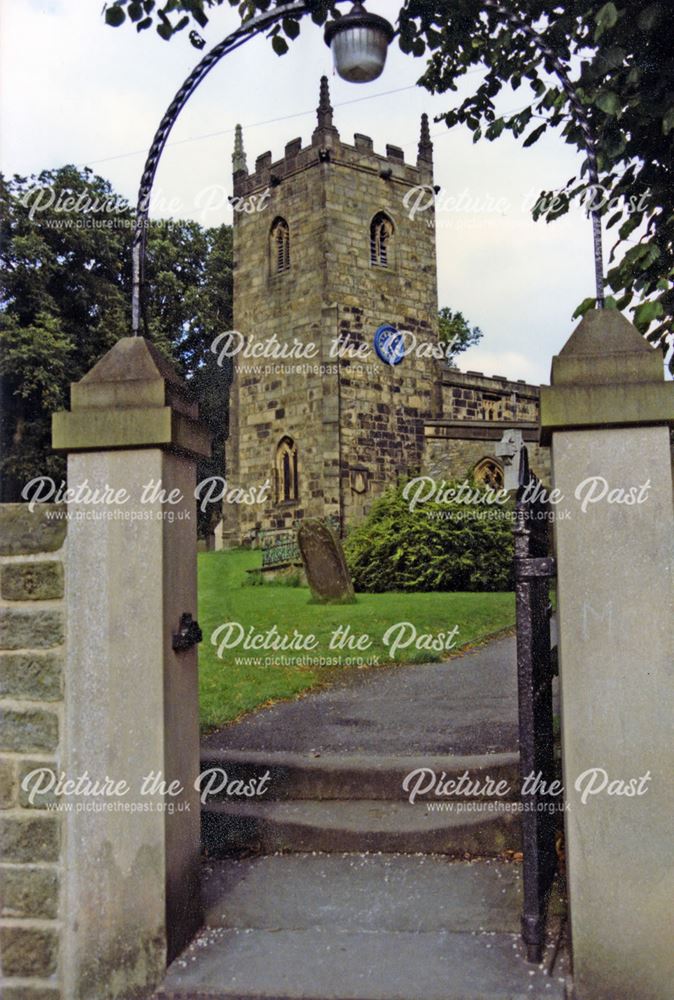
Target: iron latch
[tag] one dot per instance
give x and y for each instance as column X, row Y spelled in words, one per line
column 188, row 635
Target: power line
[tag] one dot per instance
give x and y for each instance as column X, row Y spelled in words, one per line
column 268, row 121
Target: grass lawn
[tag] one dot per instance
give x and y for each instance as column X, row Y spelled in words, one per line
column 229, row 688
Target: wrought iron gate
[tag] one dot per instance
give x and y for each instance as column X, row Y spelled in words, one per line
column 534, row 568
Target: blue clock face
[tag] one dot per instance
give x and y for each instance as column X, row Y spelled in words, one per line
column 389, row 344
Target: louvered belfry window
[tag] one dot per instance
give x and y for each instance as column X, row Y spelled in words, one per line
column 280, row 246
column 381, row 233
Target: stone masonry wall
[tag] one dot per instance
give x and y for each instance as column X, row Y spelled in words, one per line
column 293, row 396
column 474, row 396
column 383, row 408
column 32, row 623
column 455, row 458
column 357, row 425
column 476, row 409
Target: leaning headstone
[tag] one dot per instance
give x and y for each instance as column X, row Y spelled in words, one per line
column 324, row 563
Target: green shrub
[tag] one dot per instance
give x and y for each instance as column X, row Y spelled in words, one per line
column 426, row 550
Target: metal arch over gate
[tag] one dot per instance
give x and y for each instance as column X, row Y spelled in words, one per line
column 534, row 568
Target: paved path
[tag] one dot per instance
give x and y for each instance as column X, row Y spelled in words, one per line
column 466, row 705
column 308, row 925
column 362, row 927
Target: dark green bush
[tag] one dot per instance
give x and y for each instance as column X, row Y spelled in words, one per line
column 426, row 549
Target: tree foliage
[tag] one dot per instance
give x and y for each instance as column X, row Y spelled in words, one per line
column 455, row 330
column 452, row 546
column 624, row 79
column 65, row 251
column 623, row 73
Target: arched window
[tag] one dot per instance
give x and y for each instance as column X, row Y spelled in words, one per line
column 489, row 474
column 381, row 235
column 286, row 471
column 280, row 246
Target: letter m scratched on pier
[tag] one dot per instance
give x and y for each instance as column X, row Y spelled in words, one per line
column 593, row 619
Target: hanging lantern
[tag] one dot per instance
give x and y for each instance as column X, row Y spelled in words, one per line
column 359, row 42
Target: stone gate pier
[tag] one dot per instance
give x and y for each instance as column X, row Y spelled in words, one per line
column 131, row 861
column 608, row 414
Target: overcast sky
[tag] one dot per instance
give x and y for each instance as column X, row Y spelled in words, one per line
column 73, row 90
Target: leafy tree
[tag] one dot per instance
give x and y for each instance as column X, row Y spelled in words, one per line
column 626, row 83
column 34, row 364
column 62, row 305
column 65, row 250
column 454, row 329
column 189, row 282
column 620, row 52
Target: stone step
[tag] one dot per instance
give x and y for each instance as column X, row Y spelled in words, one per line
column 476, row 828
column 361, row 927
column 384, row 892
column 313, row 775
column 315, row 964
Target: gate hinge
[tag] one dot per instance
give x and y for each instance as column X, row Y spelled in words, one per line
column 188, row 635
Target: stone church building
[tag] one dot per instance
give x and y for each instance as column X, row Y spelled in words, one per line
column 329, row 404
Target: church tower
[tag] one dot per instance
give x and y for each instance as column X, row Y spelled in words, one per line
column 327, row 252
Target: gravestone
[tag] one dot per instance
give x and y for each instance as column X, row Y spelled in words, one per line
column 279, row 549
column 324, row 563
column 508, row 450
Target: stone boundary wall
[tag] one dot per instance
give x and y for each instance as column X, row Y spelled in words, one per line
column 32, row 653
